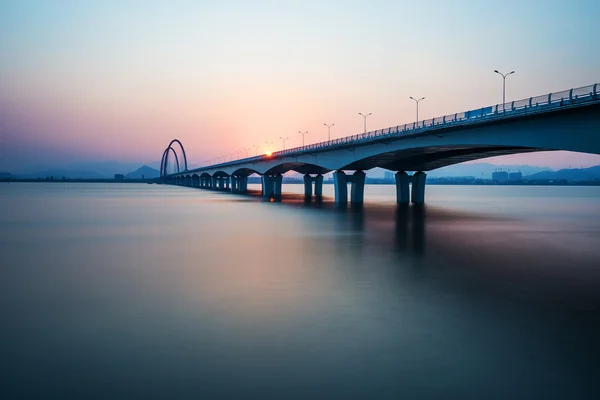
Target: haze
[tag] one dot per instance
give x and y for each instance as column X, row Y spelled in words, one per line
column 117, row 80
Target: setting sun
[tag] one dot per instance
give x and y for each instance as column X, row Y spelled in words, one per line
column 268, row 153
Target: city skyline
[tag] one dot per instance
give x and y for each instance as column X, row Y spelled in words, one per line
column 111, row 82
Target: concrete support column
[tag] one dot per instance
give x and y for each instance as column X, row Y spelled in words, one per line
column 307, row 185
column 277, row 183
column 226, row 183
column 271, row 185
column 267, row 186
column 402, row 190
column 213, row 183
column 239, row 184
column 340, row 187
column 319, row 185
column 243, row 184
column 357, row 190
column 418, row 188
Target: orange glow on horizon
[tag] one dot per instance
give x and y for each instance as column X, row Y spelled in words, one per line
column 269, row 153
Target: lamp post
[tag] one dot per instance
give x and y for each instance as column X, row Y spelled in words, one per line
column 329, row 131
column 417, row 101
column 503, row 85
column 246, row 150
column 302, row 133
column 365, row 117
column 269, row 144
column 255, row 148
column 284, row 139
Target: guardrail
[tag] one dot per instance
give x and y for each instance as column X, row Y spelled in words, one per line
column 538, row 104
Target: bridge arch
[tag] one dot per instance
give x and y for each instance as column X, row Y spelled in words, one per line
column 245, row 172
column 300, row 167
column 195, row 180
column 221, row 173
column 185, row 165
column 165, row 160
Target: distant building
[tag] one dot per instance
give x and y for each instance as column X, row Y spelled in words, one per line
column 500, row 176
column 515, row 176
column 119, row 177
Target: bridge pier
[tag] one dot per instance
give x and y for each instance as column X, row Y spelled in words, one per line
column 239, row 184
column 417, row 192
column 271, row 185
column 308, row 187
column 418, row 188
column 402, row 187
column 216, row 182
column 357, row 189
column 340, row 187
column 243, row 184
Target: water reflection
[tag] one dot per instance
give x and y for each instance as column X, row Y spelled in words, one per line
column 410, row 228
column 203, row 294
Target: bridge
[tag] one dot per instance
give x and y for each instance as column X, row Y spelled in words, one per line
column 567, row 120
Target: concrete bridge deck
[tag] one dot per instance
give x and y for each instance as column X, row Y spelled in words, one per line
column 568, row 120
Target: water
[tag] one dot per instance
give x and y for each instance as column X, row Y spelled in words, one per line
column 144, row 291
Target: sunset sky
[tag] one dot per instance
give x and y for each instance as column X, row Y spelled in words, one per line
column 117, row 80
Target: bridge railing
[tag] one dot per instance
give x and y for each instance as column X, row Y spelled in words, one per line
column 535, row 104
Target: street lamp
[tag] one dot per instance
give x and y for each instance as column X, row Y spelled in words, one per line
column 417, row 101
column 256, row 147
column 284, row 139
column 503, row 85
column 269, row 144
column 246, row 150
column 365, row 117
column 302, row 133
column 329, row 131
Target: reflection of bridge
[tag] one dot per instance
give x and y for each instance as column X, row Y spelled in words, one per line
column 568, row 120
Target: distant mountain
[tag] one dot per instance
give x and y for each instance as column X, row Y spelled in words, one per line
column 86, row 170
column 144, row 172
column 579, row 174
column 5, row 175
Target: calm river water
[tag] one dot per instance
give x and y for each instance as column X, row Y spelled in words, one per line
column 114, row 291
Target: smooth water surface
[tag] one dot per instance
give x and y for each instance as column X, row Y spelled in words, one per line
column 114, row 291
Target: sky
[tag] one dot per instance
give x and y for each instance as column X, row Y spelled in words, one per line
column 117, row 80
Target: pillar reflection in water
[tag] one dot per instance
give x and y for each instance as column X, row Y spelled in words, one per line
column 410, row 228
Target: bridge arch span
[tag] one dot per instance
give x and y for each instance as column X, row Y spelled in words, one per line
column 165, row 159
column 433, row 157
column 185, row 165
column 221, row 174
column 245, row 172
column 300, row 167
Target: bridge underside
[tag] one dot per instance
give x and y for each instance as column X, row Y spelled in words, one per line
column 430, row 158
